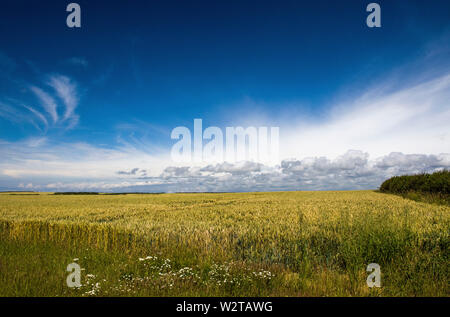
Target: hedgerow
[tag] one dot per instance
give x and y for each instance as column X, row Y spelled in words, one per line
column 435, row 183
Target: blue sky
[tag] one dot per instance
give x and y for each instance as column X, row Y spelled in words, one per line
column 78, row 106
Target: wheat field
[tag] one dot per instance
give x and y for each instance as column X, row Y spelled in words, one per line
column 224, row 244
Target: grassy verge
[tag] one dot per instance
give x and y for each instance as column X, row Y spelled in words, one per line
column 121, row 274
column 438, row 199
column 37, row 267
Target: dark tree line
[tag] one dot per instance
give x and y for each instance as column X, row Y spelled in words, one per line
column 435, row 183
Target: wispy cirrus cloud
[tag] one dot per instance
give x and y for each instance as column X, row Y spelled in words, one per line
column 38, row 114
column 57, row 105
column 63, row 96
column 47, row 102
column 66, row 89
column 16, row 112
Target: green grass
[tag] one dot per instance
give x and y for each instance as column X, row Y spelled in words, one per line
column 248, row 244
column 118, row 274
column 429, row 198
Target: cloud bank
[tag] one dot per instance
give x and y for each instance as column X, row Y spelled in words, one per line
column 352, row 170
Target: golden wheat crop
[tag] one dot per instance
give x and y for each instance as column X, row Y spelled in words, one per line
column 298, row 232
